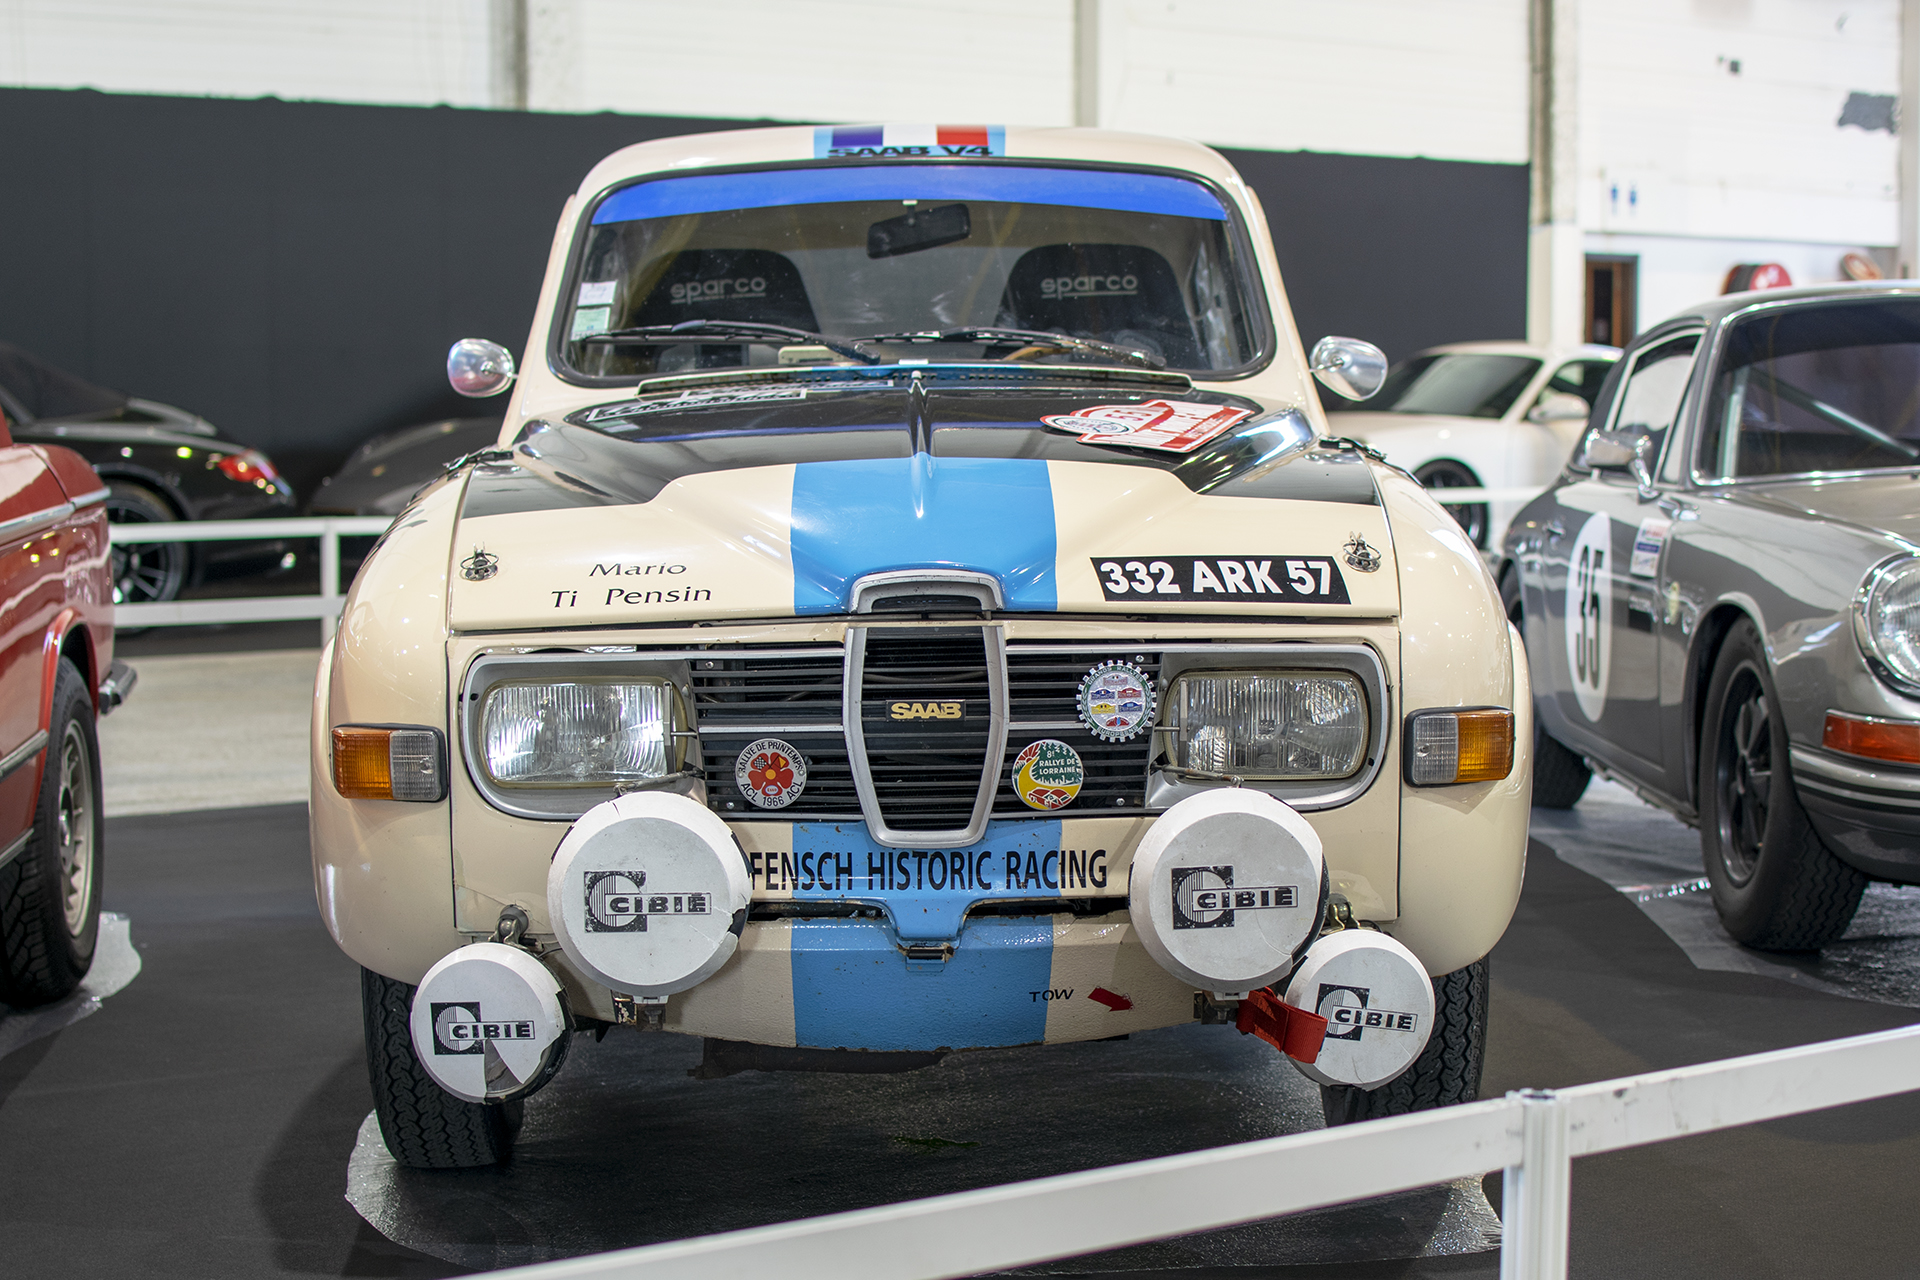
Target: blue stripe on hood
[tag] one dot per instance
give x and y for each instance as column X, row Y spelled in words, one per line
column 991, row 515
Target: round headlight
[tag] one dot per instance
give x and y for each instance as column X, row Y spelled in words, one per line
column 1887, row 618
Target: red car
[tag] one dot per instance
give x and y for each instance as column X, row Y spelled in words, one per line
column 57, row 674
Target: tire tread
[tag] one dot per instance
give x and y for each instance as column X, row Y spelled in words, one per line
column 1446, row 1073
column 424, row 1126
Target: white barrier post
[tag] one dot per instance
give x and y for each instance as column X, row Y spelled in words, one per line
column 1536, row 1194
column 329, row 580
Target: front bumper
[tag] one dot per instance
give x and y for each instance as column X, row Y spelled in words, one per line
column 1868, row 813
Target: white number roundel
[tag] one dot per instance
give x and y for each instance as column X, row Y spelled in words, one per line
column 1589, row 614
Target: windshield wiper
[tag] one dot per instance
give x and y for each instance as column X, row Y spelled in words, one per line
column 992, row 334
column 691, row 330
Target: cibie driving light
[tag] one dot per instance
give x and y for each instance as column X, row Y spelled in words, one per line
column 1447, row 747
column 577, row 733
column 1269, row 725
column 384, row 762
column 1886, row 619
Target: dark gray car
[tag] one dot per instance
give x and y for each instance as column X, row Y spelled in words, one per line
column 1720, row 598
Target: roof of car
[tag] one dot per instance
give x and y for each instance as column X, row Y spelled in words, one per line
column 1587, row 350
column 908, row 144
column 1713, row 310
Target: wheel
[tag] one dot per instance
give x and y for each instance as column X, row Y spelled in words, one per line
column 1775, row 885
column 1448, row 1069
column 145, row 572
column 1445, row 473
column 425, row 1127
column 50, row 893
column 1560, row 774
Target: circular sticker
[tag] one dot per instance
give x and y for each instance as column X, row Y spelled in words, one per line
column 1048, row 774
column 1588, row 614
column 770, row 773
column 1116, row 701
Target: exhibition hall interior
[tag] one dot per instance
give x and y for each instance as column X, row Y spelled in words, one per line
column 889, row 640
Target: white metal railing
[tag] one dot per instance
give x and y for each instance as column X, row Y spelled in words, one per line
column 181, row 613
column 1533, row 1135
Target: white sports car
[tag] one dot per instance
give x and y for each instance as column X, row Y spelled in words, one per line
column 1498, row 415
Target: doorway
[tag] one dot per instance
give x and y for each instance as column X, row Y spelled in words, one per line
column 1610, row 301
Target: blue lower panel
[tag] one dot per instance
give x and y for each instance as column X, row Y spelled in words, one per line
column 852, row 988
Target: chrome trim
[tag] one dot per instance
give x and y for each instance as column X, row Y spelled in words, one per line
column 21, row 754
column 1824, row 772
column 12, row 851
column 88, row 499
column 751, row 728
column 995, row 638
column 21, row 525
column 983, row 587
column 1165, row 788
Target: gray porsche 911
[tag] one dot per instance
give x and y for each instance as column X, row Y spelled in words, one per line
column 1720, row 598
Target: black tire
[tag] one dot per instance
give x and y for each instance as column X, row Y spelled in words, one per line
column 1560, row 774
column 1445, row 473
column 1447, row 1071
column 1775, row 885
column 425, row 1127
column 145, row 572
column 50, row 893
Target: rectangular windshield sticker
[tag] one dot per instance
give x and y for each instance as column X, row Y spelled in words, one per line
column 908, row 141
column 598, row 293
column 588, row 321
column 1175, row 426
column 1646, row 547
column 1279, row 579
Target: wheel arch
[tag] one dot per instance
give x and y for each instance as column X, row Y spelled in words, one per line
column 153, row 484
column 1709, row 636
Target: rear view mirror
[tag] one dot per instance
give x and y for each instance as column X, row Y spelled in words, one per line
column 1348, row 366
column 479, row 368
column 919, row 229
column 1558, row 406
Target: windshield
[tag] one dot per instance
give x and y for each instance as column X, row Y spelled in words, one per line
column 1817, row 388
column 1462, row 384
column 1141, row 261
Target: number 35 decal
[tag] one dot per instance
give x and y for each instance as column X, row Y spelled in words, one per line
column 1297, row 579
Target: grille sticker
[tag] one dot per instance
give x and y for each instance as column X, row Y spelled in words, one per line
column 1116, row 701
column 770, row 773
column 1048, row 774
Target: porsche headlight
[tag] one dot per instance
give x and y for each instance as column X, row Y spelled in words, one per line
column 578, row 733
column 1269, row 725
column 1886, row 618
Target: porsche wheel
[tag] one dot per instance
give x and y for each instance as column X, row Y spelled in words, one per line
column 145, row 572
column 1775, row 885
column 1448, row 1069
column 1560, row 774
column 424, row 1126
column 1445, row 473
column 50, row 891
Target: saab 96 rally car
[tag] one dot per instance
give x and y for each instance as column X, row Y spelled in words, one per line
column 914, row 605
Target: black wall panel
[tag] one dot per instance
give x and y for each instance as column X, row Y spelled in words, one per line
column 296, row 271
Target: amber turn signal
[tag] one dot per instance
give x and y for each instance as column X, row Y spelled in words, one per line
column 388, row 763
column 1449, row 747
column 1895, row 740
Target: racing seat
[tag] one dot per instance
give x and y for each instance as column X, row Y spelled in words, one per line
column 727, row 284
column 1112, row 292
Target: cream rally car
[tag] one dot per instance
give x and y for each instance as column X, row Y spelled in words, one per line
column 914, row 605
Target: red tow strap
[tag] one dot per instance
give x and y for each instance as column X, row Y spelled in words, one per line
column 1294, row 1032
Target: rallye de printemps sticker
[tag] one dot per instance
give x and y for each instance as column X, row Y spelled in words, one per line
column 770, row 773
column 1175, row 426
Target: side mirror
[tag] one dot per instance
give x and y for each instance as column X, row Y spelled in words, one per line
column 1348, row 366
column 479, row 368
column 1558, row 406
column 1620, row 451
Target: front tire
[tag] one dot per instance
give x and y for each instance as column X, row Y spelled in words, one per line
column 50, row 892
column 424, row 1126
column 1560, row 774
column 1775, row 885
column 1448, row 1069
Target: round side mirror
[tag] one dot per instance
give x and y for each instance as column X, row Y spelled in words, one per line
column 479, row 368
column 1352, row 368
column 1558, row 406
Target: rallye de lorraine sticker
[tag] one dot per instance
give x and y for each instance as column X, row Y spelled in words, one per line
column 770, row 773
column 1047, row 774
column 1175, row 426
column 1116, row 701
column 1259, row 578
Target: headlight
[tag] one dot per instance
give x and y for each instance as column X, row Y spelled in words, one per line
column 578, row 733
column 1267, row 725
column 1886, row 618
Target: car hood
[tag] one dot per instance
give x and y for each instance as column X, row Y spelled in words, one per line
column 773, row 504
column 1884, row 502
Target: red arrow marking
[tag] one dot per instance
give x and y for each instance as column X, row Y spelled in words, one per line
column 1110, row 999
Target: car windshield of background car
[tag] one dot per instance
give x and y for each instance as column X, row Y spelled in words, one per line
column 1817, row 388
column 1140, row 260
column 1459, row 384
column 1578, row 378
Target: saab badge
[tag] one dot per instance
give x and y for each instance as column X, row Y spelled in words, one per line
column 770, row 773
column 1116, row 701
column 1048, row 774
